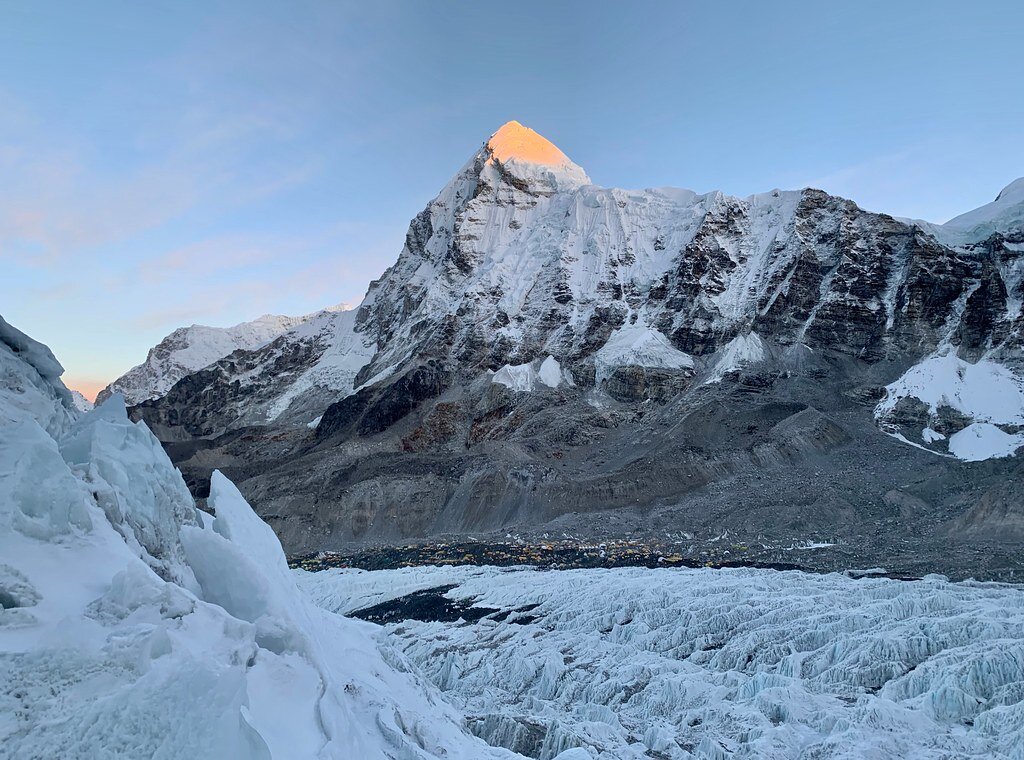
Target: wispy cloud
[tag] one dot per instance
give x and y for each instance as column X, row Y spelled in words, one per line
column 200, row 180
column 282, row 275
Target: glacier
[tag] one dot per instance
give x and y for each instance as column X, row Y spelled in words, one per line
column 523, row 378
column 679, row 663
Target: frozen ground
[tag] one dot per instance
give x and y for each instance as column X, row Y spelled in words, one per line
column 637, row 663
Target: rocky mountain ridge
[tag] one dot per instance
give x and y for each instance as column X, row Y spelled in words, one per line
column 188, row 349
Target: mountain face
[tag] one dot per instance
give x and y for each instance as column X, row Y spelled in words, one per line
column 780, row 365
column 188, row 349
column 289, row 381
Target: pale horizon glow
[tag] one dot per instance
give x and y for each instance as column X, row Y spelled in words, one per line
column 171, row 164
column 89, row 388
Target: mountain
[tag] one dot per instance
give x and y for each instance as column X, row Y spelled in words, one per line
column 81, row 403
column 134, row 625
column 547, row 354
column 288, row 381
column 190, row 348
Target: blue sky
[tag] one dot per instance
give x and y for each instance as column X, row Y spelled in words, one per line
column 165, row 163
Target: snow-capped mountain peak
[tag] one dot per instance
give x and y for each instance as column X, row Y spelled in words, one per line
column 513, row 141
column 524, row 154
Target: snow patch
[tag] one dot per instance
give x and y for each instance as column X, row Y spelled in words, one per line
column 986, row 392
column 982, row 440
column 523, row 378
column 739, row 352
column 638, row 345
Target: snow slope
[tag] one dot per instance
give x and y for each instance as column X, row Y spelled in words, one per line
column 1004, row 215
column 987, row 393
column 335, row 368
column 636, row 663
column 132, row 625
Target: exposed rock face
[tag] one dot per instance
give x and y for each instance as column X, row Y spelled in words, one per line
column 707, row 346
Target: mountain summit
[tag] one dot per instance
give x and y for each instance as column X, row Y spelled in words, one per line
column 522, row 156
column 513, row 141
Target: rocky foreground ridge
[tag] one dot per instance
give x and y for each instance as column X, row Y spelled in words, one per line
column 550, row 356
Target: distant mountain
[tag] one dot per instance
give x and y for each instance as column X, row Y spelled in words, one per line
column 545, row 348
column 289, row 381
column 81, row 403
column 190, row 348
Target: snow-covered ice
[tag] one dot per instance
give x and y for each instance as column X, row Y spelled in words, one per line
column 132, row 625
column 523, row 378
column 638, row 663
column 987, row 392
column 638, row 345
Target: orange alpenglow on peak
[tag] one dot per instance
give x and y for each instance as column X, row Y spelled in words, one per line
column 514, row 140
